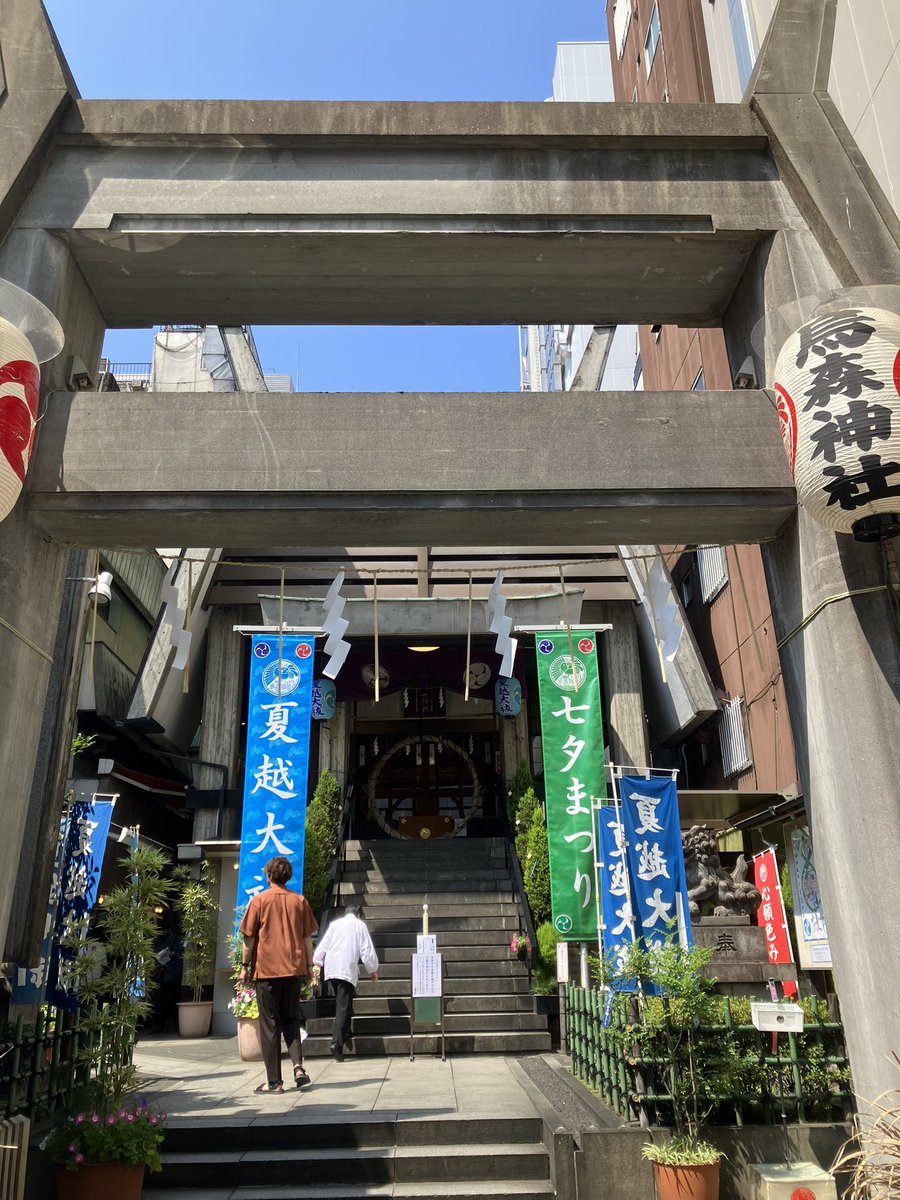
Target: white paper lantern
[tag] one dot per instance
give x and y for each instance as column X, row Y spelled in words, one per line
column 29, row 335
column 20, row 390
column 837, row 380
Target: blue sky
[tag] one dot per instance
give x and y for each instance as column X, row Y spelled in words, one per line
column 328, row 50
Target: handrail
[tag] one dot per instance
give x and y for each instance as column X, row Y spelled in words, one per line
column 339, row 862
column 521, row 896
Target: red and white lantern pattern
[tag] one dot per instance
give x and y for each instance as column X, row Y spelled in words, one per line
column 837, row 380
column 20, row 386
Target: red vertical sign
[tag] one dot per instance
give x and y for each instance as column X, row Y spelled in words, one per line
column 771, row 915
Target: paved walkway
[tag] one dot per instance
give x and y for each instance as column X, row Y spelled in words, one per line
column 205, row 1078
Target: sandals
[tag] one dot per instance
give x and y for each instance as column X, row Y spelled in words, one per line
column 266, row 1089
column 301, row 1079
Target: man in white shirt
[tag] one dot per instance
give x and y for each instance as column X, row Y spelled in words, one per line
column 344, row 942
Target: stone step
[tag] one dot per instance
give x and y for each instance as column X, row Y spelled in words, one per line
column 478, row 1190
column 355, row 873
column 476, row 938
column 454, row 922
column 390, row 1164
column 467, row 967
column 450, row 952
column 381, row 1024
column 400, row 1005
column 463, row 986
column 408, row 886
column 350, row 1132
column 448, row 855
column 371, row 898
column 524, row 1042
column 407, row 906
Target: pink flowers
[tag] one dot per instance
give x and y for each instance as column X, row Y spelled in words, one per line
column 79, row 1158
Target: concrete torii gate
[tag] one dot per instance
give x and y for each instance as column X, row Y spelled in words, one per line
column 117, row 213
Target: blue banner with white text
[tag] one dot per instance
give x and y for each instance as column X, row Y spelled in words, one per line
column 85, row 847
column 276, row 775
column 28, row 983
column 652, row 824
column 642, row 877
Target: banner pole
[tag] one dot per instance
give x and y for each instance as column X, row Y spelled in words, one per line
column 469, row 639
column 565, row 600
column 280, row 629
column 596, row 808
column 375, row 622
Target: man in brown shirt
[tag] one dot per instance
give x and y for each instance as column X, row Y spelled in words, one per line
column 278, row 927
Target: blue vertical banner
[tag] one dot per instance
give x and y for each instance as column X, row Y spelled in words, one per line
column 85, row 847
column 649, row 811
column 279, row 713
column 617, row 919
column 28, row 983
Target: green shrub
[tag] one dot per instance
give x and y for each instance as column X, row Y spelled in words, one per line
column 536, row 868
column 547, row 937
column 525, row 809
column 520, row 783
column 323, row 824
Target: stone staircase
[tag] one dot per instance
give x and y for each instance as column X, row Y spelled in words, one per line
column 293, row 1159
column 473, row 911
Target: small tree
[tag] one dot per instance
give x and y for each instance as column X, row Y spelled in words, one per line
column 518, row 786
column 680, row 1000
column 114, row 977
column 525, row 809
column 323, row 827
column 197, row 911
column 536, row 868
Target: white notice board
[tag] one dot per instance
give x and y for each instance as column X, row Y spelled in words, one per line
column 426, row 943
column 426, row 975
column 562, row 962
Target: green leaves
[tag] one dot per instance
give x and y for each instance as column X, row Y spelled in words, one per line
column 197, row 910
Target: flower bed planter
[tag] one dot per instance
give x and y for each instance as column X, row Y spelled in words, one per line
column 101, row 1181
column 249, row 1049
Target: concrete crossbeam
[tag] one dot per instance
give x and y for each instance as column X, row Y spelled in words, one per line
column 256, row 469
column 227, row 212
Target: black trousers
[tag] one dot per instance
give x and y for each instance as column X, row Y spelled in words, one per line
column 344, row 992
column 279, row 1013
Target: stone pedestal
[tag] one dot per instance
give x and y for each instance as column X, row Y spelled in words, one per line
column 740, row 963
column 799, row 1181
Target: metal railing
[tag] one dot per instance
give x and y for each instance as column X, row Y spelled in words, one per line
column 520, row 896
column 812, row 1069
column 44, row 1062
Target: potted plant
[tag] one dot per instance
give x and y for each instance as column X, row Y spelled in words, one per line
column 544, row 987
column 520, row 945
column 197, row 910
column 104, row 1145
column 244, row 1005
column 872, row 1155
column 674, row 999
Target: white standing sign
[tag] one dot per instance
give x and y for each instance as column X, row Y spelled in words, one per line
column 562, row 962
column 426, row 975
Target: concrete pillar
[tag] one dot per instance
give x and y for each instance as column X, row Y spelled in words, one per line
column 220, row 731
column 43, row 610
column 620, row 670
column 842, row 670
column 334, row 737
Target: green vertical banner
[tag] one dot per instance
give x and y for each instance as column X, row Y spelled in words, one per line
column 574, row 774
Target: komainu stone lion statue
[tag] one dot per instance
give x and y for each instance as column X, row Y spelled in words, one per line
column 707, row 879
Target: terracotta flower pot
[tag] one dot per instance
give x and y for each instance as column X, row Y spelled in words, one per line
column 100, row 1181
column 194, row 1018
column 249, row 1048
column 687, row 1183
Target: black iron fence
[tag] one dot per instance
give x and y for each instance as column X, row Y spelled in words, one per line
column 618, row 1056
column 43, row 1062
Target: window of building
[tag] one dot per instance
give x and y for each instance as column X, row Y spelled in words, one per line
column 744, row 41
column 733, row 738
column 699, row 382
column 651, row 41
column 713, row 567
column 687, row 589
